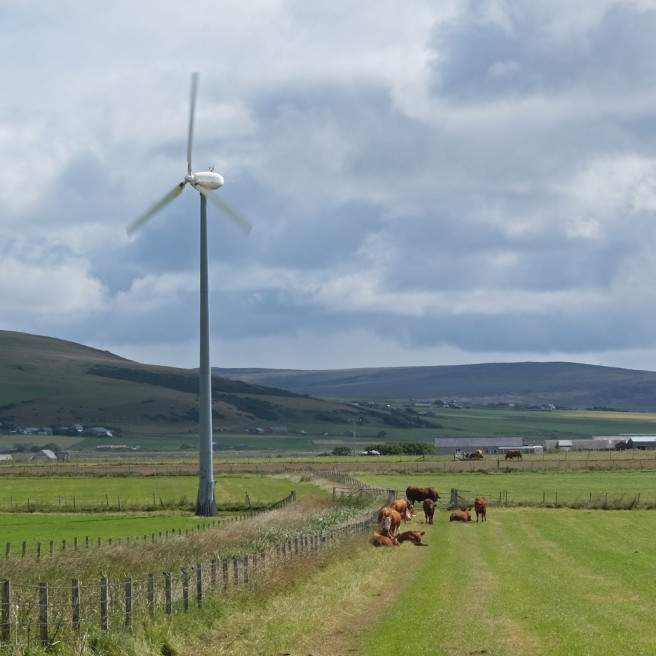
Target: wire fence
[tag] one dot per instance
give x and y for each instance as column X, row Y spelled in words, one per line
column 47, row 613
column 44, row 614
column 24, row 548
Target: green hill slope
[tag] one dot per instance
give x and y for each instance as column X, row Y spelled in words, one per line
column 51, row 382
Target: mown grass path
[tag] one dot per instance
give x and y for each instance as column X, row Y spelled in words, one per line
column 528, row 582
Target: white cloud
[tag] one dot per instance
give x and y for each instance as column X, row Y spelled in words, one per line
column 427, row 182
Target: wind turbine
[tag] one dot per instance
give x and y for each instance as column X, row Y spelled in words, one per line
column 205, row 183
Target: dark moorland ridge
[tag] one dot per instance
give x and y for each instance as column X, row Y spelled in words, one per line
column 46, row 381
column 563, row 384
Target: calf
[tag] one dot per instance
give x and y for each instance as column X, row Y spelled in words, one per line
column 384, row 538
column 462, row 516
column 414, row 537
column 429, row 510
column 480, row 506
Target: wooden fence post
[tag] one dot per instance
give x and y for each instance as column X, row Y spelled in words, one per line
column 6, row 610
column 185, row 589
column 104, row 603
column 128, row 603
column 235, row 566
column 225, row 574
column 75, row 600
column 168, row 593
column 199, row 585
column 151, row 595
column 43, row 613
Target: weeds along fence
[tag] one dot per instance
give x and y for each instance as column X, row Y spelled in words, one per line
column 25, row 548
column 350, row 487
column 44, row 614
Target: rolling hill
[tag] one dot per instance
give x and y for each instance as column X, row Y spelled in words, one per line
column 51, row 382
column 562, row 384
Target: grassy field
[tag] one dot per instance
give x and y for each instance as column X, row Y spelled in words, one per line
column 529, row 488
column 530, row 581
column 544, row 583
column 556, row 582
column 56, row 520
column 105, row 492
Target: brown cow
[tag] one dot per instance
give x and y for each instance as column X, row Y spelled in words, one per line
column 414, row 537
column 394, row 519
column 415, row 494
column 405, row 508
column 462, row 516
column 475, row 455
column 514, row 453
column 429, row 510
column 480, row 506
column 383, row 538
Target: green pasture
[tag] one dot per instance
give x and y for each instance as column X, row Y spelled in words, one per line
column 98, row 492
column 32, row 528
column 549, row 582
column 526, row 487
column 537, row 425
column 54, row 520
column 545, row 582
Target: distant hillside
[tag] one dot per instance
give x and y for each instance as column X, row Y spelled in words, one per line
column 563, row 384
column 51, row 382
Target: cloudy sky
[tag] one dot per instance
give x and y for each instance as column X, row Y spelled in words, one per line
column 429, row 182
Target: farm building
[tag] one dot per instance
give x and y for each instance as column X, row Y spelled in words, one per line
column 633, row 441
column 605, row 443
column 533, row 448
column 488, row 445
column 45, row 455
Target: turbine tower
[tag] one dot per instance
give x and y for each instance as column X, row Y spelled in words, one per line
column 205, row 183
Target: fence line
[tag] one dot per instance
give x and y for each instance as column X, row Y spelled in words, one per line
column 46, row 613
column 41, row 549
column 554, row 499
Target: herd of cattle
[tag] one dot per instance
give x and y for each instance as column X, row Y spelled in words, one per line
column 478, row 455
column 402, row 510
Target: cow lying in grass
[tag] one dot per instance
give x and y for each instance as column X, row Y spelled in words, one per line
column 414, row 537
column 462, row 516
column 384, row 538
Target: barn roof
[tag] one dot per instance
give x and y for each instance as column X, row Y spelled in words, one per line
column 459, row 442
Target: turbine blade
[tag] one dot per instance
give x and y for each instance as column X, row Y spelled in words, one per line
column 241, row 222
column 192, row 113
column 138, row 223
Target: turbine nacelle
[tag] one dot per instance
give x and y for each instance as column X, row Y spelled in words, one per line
column 206, row 179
